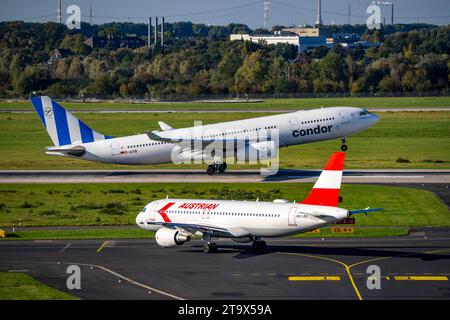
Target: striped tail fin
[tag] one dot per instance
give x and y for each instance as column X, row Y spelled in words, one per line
column 326, row 189
column 62, row 126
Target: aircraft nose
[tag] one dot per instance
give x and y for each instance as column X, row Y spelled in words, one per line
column 140, row 220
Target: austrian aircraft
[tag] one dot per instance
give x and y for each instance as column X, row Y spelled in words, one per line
column 249, row 139
column 177, row 220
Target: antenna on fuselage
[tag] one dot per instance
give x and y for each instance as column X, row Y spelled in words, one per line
column 167, row 196
column 257, row 199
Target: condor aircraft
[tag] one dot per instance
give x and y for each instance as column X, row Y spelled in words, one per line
column 246, row 139
column 176, row 220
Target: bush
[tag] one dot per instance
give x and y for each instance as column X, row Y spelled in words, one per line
column 401, row 160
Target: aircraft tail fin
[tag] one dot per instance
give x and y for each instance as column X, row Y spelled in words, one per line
column 62, row 126
column 326, row 189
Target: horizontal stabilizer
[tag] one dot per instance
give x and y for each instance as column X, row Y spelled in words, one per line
column 164, row 126
column 366, row 210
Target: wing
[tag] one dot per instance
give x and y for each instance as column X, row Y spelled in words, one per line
column 159, row 136
column 164, row 126
column 217, row 231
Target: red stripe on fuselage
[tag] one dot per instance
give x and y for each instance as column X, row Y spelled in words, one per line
column 323, row 197
column 162, row 211
column 336, row 162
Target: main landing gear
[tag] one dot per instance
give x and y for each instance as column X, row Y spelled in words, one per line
column 259, row 245
column 344, row 145
column 210, row 247
column 217, row 167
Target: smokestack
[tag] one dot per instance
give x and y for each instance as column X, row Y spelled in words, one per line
column 392, row 13
column 58, row 11
column 162, row 32
column 156, row 30
column 149, row 32
column 349, row 14
column 90, row 15
column 319, row 13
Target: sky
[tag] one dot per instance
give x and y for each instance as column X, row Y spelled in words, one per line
column 214, row 12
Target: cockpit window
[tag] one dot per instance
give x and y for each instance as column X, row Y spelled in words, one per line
column 364, row 112
column 143, row 210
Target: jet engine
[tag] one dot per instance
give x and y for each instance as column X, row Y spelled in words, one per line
column 166, row 237
column 257, row 151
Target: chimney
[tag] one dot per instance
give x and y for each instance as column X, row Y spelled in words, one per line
column 319, row 13
column 58, row 11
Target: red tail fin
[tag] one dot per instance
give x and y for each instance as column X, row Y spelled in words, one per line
column 326, row 190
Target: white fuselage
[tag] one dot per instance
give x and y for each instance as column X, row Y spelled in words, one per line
column 243, row 219
column 293, row 129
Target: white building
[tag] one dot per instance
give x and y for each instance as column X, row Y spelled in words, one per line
column 302, row 43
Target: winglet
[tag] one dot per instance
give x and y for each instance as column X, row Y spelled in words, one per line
column 164, row 126
column 326, row 189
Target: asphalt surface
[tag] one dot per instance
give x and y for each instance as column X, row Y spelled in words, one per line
column 283, row 175
column 412, row 267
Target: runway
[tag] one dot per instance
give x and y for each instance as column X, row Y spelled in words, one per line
column 412, row 267
column 200, row 176
column 212, row 110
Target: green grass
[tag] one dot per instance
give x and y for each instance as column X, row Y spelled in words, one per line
column 118, row 204
column 19, row 286
column 294, row 104
column 421, row 137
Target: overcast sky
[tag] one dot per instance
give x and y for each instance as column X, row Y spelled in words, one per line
column 284, row 12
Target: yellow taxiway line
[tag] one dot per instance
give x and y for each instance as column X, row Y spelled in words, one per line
column 421, row 278
column 102, row 246
column 314, row 278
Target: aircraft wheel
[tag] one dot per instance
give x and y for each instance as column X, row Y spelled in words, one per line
column 262, row 245
column 209, row 248
column 344, row 147
column 222, row 167
column 259, row 245
column 211, row 170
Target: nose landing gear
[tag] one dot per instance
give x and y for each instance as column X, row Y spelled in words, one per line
column 344, row 145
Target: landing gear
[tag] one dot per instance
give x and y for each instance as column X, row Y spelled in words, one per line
column 343, row 146
column 213, row 168
column 210, row 247
column 222, row 167
column 259, row 245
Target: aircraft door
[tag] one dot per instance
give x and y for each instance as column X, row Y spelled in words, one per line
column 115, row 149
column 344, row 117
column 152, row 213
column 293, row 123
column 291, row 217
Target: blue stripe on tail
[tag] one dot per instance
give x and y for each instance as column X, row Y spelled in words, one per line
column 87, row 135
column 37, row 104
column 62, row 127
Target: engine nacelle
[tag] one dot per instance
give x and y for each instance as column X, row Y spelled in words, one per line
column 243, row 239
column 257, row 151
column 166, row 237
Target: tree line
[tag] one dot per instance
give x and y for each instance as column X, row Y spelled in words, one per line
column 199, row 60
